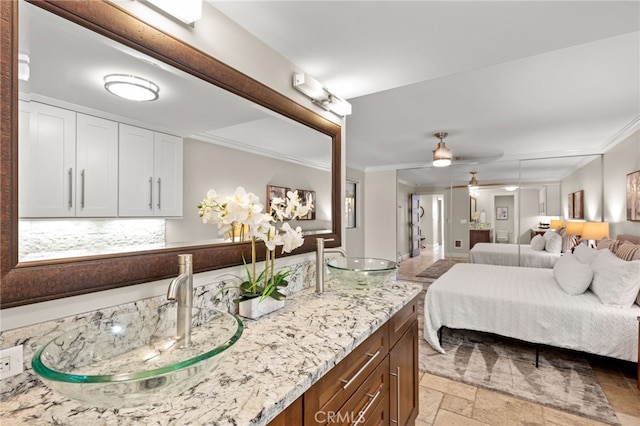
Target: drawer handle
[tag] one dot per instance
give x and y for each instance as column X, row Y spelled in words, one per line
column 364, row 367
column 159, row 192
column 150, row 193
column 82, row 193
column 397, row 376
column 361, row 414
column 70, row 187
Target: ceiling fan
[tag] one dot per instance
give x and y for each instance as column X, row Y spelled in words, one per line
column 442, row 156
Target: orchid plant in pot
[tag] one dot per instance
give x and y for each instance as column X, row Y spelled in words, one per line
column 242, row 217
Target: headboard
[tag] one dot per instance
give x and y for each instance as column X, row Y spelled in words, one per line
column 628, row 237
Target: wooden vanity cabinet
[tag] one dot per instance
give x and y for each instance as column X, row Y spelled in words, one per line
column 378, row 381
column 479, row 236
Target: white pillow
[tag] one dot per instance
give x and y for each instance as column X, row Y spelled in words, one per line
column 573, row 276
column 538, row 242
column 550, row 233
column 584, row 253
column 615, row 281
column 554, row 244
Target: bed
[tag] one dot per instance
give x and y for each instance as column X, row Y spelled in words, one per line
column 512, row 255
column 528, row 304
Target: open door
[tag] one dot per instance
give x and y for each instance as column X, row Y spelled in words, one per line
column 415, row 225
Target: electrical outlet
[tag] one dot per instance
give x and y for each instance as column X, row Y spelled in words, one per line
column 11, row 362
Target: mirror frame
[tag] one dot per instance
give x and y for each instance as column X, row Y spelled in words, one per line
column 33, row 282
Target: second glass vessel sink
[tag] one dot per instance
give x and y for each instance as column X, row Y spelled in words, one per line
column 133, row 358
column 362, row 272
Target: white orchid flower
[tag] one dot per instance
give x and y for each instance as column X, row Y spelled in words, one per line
column 291, row 239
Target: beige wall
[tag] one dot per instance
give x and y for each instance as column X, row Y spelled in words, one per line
column 380, row 205
column 210, row 166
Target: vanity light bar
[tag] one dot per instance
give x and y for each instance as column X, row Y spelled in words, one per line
column 319, row 95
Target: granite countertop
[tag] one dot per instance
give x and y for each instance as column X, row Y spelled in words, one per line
column 276, row 360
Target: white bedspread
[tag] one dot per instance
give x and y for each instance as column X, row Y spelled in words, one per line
column 507, row 255
column 528, row 304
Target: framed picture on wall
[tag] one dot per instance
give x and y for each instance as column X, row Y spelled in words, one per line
column 274, row 191
column 502, row 213
column 633, row 196
column 308, row 196
column 578, row 205
column 570, row 212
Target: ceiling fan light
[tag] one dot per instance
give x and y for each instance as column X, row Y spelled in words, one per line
column 131, row 87
column 473, row 183
column 441, row 156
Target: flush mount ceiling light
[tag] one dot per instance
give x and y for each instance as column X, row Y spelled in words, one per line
column 131, row 87
column 473, row 183
column 319, row 95
column 510, row 188
column 442, row 154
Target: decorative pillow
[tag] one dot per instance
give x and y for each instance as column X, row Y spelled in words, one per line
column 573, row 276
column 615, row 281
column 538, row 243
column 560, row 231
column 550, row 233
column 628, row 251
column 554, row 244
column 585, row 254
column 608, row 243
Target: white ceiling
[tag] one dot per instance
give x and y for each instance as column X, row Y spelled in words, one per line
column 508, row 80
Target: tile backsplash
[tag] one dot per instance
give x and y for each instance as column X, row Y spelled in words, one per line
column 215, row 294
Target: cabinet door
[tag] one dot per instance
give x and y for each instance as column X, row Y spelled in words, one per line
column 404, row 378
column 96, row 167
column 46, row 160
column 167, row 175
column 135, row 187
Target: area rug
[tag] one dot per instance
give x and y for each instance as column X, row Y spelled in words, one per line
column 564, row 379
column 439, row 267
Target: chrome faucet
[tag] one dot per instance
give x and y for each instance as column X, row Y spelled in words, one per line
column 181, row 290
column 320, row 268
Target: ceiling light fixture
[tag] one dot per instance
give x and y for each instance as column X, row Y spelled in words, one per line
column 131, row 87
column 473, row 183
column 442, row 154
column 187, row 11
column 319, row 95
column 510, row 188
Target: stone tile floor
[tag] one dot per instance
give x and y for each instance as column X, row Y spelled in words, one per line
column 447, row 402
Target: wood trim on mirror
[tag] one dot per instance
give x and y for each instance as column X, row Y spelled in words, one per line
column 32, row 282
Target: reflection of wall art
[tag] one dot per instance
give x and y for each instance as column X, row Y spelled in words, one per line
column 633, row 196
column 578, row 205
column 570, row 211
column 350, row 204
column 308, row 196
column 502, row 213
column 275, row 192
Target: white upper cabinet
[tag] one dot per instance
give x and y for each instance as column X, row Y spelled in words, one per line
column 549, row 199
column 46, row 161
column 96, row 167
column 150, row 173
column 167, row 154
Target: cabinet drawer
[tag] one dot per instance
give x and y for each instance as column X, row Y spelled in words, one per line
column 402, row 320
column 364, row 405
column 331, row 391
column 380, row 414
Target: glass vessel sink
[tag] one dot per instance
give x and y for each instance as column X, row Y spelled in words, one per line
column 133, row 358
column 362, row 272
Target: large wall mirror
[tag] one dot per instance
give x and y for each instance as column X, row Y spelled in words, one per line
column 234, row 130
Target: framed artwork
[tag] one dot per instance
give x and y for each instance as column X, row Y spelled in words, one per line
column 570, row 212
column 308, row 196
column 502, row 213
column 578, row 205
column 275, row 192
column 633, row 196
